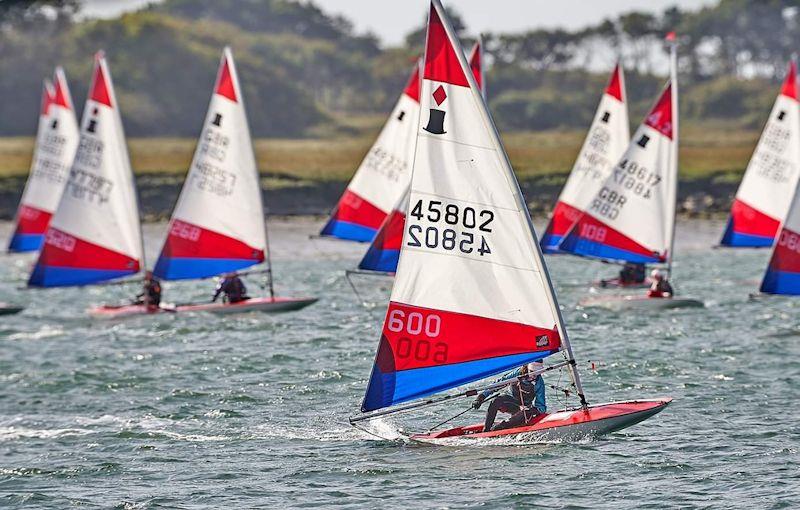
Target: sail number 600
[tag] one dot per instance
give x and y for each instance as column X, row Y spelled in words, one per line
column 415, row 324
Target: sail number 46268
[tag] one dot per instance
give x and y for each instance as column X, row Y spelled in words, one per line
column 455, row 228
column 418, row 326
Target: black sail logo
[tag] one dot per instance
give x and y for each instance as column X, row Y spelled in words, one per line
column 436, row 119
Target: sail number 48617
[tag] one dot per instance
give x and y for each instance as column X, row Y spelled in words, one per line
column 418, row 326
column 455, row 228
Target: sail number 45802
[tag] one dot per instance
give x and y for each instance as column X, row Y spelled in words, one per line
column 417, row 325
column 456, row 228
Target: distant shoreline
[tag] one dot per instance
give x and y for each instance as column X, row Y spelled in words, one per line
column 283, row 196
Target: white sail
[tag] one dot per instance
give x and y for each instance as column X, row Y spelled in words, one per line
column 606, row 141
column 765, row 194
column 56, row 143
column 383, row 175
column 631, row 217
column 471, row 296
column 218, row 223
column 95, row 233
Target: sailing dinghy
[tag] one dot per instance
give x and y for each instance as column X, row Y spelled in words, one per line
column 217, row 226
column 56, row 143
column 94, row 234
column 383, row 174
column 765, row 194
column 384, row 250
column 605, row 143
column 631, row 217
column 472, row 296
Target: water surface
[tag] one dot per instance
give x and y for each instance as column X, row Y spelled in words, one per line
column 193, row 411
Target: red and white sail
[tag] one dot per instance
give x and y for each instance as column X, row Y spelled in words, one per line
column 631, row 217
column 476, row 65
column 56, row 143
column 217, row 225
column 383, row 175
column 95, row 233
column 471, row 296
column 767, row 188
column 608, row 137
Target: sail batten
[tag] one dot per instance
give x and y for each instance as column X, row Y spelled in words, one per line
column 95, row 234
column 217, row 225
column 454, row 320
column 765, row 193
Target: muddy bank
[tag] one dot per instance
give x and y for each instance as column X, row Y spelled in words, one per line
column 285, row 196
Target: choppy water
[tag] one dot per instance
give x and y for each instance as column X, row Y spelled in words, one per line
column 251, row 411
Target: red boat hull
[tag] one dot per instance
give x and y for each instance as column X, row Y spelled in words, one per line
column 265, row 305
column 569, row 425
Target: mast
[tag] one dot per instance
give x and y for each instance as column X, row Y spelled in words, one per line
column 268, row 255
column 573, row 371
column 672, row 40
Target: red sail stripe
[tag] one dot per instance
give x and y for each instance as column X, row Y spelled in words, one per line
column 749, row 220
column 47, row 99
column 100, row 87
column 789, row 87
column 660, row 117
column 614, row 88
column 416, row 337
column 564, row 216
column 61, row 95
column 475, row 64
column 65, row 250
column 31, row 220
column 225, row 85
column 390, row 236
column 190, row 241
column 354, row 209
column 441, row 61
column 412, row 87
column 786, row 256
column 603, row 234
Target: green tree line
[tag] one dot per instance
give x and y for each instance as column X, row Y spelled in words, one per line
column 303, row 68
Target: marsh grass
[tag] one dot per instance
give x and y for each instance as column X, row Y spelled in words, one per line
column 707, row 151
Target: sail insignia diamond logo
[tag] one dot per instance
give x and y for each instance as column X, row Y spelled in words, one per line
column 436, row 120
column 542, row 341
column 439, row 95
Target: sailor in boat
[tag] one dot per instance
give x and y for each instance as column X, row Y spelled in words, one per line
column 524, row 399
column 233, row 288
column 151, row 292
column 660, row 287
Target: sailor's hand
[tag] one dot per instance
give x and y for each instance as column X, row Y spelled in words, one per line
column 478, row 401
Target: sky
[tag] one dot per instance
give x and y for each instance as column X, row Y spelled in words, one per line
column 390, row 20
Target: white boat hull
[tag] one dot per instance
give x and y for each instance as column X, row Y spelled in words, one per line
column 618, row 303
